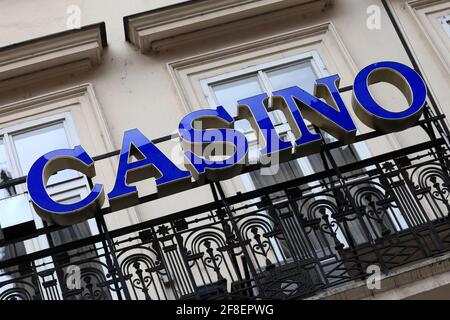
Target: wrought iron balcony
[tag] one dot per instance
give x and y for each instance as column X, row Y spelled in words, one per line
column 290, row 240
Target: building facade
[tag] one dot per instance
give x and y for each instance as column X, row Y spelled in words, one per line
column 367, row 220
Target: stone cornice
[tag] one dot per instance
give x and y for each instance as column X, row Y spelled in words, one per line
column 144, row 29
column 418, row 4
column 76, row 47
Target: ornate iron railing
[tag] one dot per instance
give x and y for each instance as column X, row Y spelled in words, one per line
column 289, row 240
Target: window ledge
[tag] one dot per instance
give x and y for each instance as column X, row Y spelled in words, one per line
column 145, row 29
column 81, row 48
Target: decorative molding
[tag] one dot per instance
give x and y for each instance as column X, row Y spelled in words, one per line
column 64, row 97
column 156, row 29
column 399, row 284
column 426, row 14
column 279, row 39
column 35, row 59
column 85, row 90
column 92, row 126
column 419, row 4
column 187, row 72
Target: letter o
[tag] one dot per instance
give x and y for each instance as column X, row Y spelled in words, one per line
column 401, row 76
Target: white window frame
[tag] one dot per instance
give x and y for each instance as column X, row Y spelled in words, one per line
column 444, row 21
column 319, row 68
column 60, row 190
column 9, row 132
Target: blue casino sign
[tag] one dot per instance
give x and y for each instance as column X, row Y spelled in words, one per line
column 325, row 109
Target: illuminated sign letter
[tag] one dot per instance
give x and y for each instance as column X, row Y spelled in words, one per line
column 150, row 163
column 214, row 150
column 45, row 206
column 254, row 109
column 331, row 116
column 212, row 142
column 405, row 79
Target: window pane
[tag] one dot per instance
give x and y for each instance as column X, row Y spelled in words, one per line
column 227, row 94
column 3, row 160
column 445, row 21
column 33, row 144
column 5, row 173
column 301, row 75
column 17, row 249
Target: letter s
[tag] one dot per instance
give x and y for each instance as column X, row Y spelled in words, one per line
column 225, row 141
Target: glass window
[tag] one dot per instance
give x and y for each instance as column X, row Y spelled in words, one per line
column 229, row 91
column 301, row 75
column 33, row 144
column 3, row 161
column 5, row 173
column 19, row 148
column 13, row 250
column 445, row 22
column 23, row 146
column 269, row 79
column 227, row 94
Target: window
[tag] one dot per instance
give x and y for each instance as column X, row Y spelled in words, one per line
column 445, row 22
column 20, row 146
column 301, row 70
column 48, row 122
column 223, row 76
column 434, row 18
column 31, row 144
column 5, row 173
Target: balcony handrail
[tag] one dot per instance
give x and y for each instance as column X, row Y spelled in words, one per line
column 215, row 205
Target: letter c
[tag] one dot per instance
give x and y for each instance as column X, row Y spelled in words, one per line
column 45, row 206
